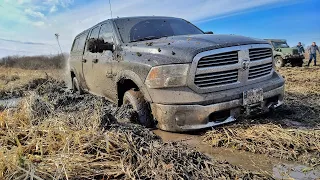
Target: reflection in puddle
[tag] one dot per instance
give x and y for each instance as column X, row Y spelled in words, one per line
column 279, row 169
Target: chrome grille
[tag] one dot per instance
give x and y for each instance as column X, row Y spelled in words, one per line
column 216, row 78
column 260, row 53
column 260, row 70
column 230, row 67
column 221, row 59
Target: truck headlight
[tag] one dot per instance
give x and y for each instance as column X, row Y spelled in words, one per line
column 168, row 76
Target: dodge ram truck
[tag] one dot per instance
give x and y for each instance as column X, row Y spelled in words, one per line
column 175, row 76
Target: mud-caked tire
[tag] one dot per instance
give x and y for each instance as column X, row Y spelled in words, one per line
column 76, row 88
column 279, row 61
column 140, row 106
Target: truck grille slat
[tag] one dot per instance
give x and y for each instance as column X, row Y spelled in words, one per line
column 260, row 53
column 215, row 63
column 219, row 59
column 264, row 66
column 213, row 75
column 221, row 55
column 217, row 83
column 216, row 78
column 260, row 70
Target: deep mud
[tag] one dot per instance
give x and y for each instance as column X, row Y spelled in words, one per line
column 97, row 140
column 55, row 134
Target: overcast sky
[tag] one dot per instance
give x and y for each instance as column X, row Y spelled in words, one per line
column 27, row 27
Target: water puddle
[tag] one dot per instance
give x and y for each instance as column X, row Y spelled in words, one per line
column 9, row 103
column 279, row 169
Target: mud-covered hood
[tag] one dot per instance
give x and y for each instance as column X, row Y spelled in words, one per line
column 182, row 49
column 288, row 51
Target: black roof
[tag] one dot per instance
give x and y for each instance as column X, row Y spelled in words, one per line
column 132, row 17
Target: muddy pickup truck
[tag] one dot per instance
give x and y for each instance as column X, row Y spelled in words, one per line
column 174, row 75
column 283, row 54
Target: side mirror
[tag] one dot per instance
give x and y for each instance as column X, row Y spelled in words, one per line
column 98, row 46
column 208, row 32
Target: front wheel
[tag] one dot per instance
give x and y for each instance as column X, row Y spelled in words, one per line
column 76, row 88
column 140, row 105
column 279, row 61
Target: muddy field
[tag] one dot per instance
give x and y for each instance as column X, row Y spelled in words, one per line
column 50, row 133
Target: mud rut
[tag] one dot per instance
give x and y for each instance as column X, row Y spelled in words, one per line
column 135, row 152
column 48, row 98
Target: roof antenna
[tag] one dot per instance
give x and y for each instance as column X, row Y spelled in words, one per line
column 110, row 9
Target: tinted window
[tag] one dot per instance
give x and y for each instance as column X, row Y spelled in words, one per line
column 75, row 45
column 137, row 29
column 82, row 42
column 95, row 33
column 106, row 33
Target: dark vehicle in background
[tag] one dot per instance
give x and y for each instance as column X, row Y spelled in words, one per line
column 283, row 54
column 174, row 75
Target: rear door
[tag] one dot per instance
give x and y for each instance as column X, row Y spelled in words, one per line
column 88, row 61
column 76, row 57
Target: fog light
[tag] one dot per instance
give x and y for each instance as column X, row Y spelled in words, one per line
column 180, row 119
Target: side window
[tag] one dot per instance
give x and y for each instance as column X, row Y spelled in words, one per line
column 106, row 33
column 75, row 45
column 82, row 42
column 95, row 33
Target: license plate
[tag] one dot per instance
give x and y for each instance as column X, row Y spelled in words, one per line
column 252, row 96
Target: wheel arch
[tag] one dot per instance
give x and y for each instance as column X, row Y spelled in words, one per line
column 127, row 80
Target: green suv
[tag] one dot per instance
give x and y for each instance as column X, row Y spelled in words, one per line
column 283, row 54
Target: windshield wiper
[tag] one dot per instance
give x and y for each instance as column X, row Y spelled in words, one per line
column 148, row 38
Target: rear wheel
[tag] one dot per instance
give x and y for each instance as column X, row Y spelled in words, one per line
column 140, row 106
column 279, row 62
column 76, row 88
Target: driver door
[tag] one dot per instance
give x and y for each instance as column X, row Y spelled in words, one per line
column 104, row 68
column 88, row 62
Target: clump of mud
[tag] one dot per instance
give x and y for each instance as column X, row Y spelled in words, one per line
column 55, row 134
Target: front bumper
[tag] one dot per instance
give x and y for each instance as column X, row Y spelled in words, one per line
column 191, row 117
column 295, row 56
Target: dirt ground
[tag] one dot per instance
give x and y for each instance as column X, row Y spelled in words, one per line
column 56, row 134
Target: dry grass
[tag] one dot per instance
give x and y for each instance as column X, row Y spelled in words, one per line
column 68, row 147
column 279, row 134
column 14, row 82
column 13, row 78
column 269, row 139
column 305, row 81
column 54, row 134
column 35, row 62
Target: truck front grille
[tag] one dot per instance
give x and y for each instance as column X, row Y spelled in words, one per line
column 260, row 53
column 221, row 59
column 260, row 70
column 216, row 78
column 230, row 67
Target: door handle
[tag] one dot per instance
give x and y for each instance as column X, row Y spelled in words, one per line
column 95, row 60
column 84, row 60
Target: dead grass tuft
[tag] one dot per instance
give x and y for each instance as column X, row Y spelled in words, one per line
column 270, row 139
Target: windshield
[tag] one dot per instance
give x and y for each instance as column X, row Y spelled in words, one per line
column 280, row 44
column 140, row 29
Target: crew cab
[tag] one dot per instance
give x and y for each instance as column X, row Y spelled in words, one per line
column 174, row 75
